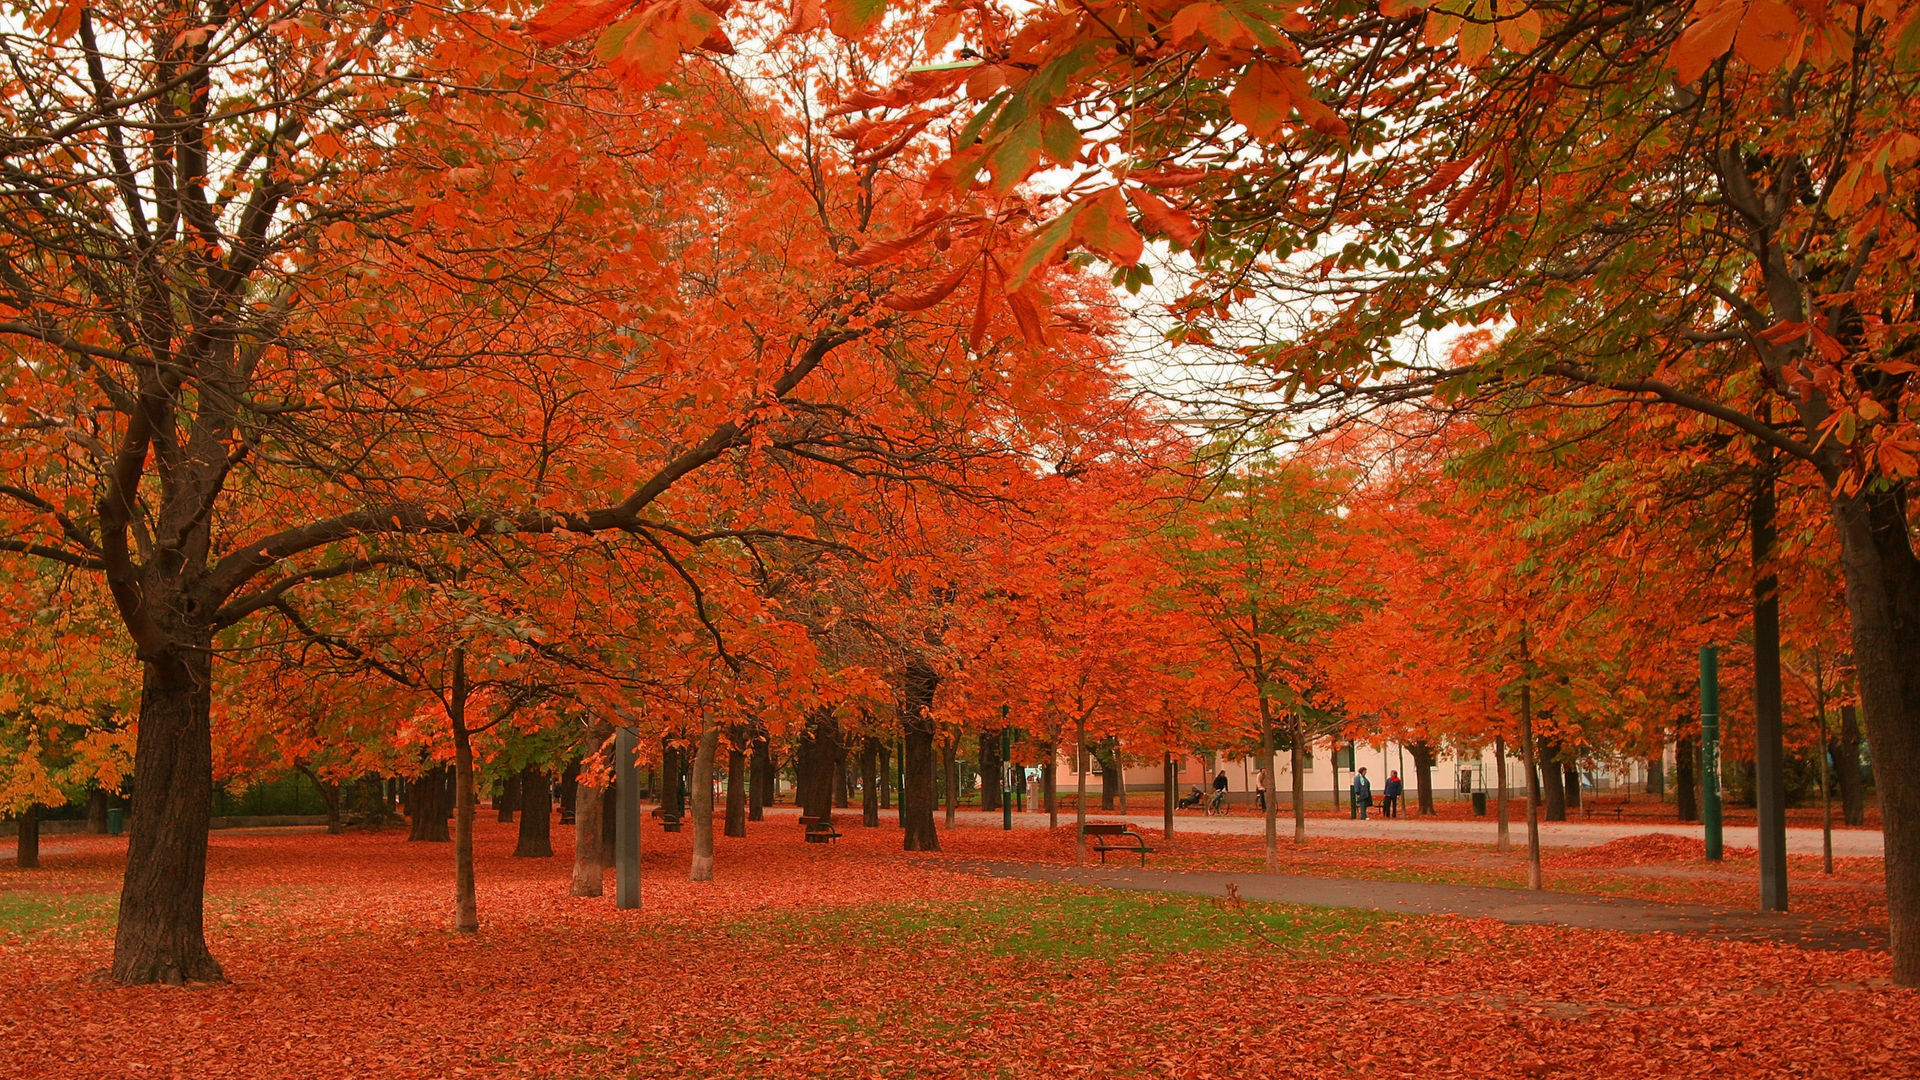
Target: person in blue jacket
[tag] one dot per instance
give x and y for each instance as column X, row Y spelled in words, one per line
column 1362, row 792
column 1390, row 795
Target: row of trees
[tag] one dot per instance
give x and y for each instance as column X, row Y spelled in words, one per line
column 394, row 358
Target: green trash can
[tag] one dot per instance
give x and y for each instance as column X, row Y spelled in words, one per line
column 116, row 821
column 1479, row 804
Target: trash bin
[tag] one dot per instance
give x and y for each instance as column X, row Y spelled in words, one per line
column 116, row 821
column 1479, row 804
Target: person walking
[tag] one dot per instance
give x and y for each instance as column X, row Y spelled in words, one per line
column 1362, row 795
column 1260, row 795
column 1219, row 804
column 1390, row 795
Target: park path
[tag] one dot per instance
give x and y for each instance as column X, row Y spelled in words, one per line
column 1421, row 898
column 1560, row 834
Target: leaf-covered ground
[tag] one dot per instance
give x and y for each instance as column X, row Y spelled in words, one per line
column 859, row 961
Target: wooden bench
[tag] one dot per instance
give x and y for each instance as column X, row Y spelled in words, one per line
column 1109, row 837
column 1619, row 808
column 819, row 830
column 668, row 822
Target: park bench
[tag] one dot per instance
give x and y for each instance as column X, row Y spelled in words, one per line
column 819, row 830
column 669, row 822
column 1619, row 808
column 1111, row 838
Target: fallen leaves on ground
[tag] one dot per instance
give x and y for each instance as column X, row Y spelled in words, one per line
column 856, row 960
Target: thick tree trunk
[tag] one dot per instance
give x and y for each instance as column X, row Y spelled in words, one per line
column 991, row 768
column 870, row 782
column 466, row 905
column 1686, row 778
column 917, row 764
column 814, row 761
column 1422, row 775
column 426, row 803
column 886, row 776
column 26, row 851
column 1657, row 774
column 736, row 786
column 760, row 764
column 842, row 781
column 509, row 797
column 1552, row 780
column 1848, row 771
column 1883, row 605
column 589, row 867
column 703, row 804
column 329, row 795
column 1571, row 773
column 160, row 937
column 536, row 816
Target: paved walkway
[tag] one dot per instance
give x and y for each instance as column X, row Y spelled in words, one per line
column 1506, row 905
column 1564, row 834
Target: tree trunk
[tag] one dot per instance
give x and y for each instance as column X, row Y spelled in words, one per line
column 1657, row 774
column 1503, row 840
column 703, row 804
column 1080, row 767
column 26, row 851
column 1553, row 783
column 920, row 681
column 1108, row 755
column 536, row 816
column 1848, row 772
column 886, row 776
column 1686, row 779
column 1422, row 775
column 950, row 770
column 1169, row 784
column 870, row 782
column 1883, row 605
column 736, row 785
column 1527, row 745
column 670, row 801
column 466, row 905
column 814, row 764
column 610, row 821
column 160, row 937
column 509, row 797
column 1297, row 757
column 426, row 804
column 589, row 867
column 1572, row 773
column 991, row 768
column 329, row 794
column 1049, row 785
column 842, row 779
column 569, row 780
column 761, row 766
column 97, row 811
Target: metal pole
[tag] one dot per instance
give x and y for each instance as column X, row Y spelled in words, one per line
column 626, row 830
column 1710, row 749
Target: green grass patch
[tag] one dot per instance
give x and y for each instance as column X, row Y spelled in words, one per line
column 45, row 914
column 1077, row 923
